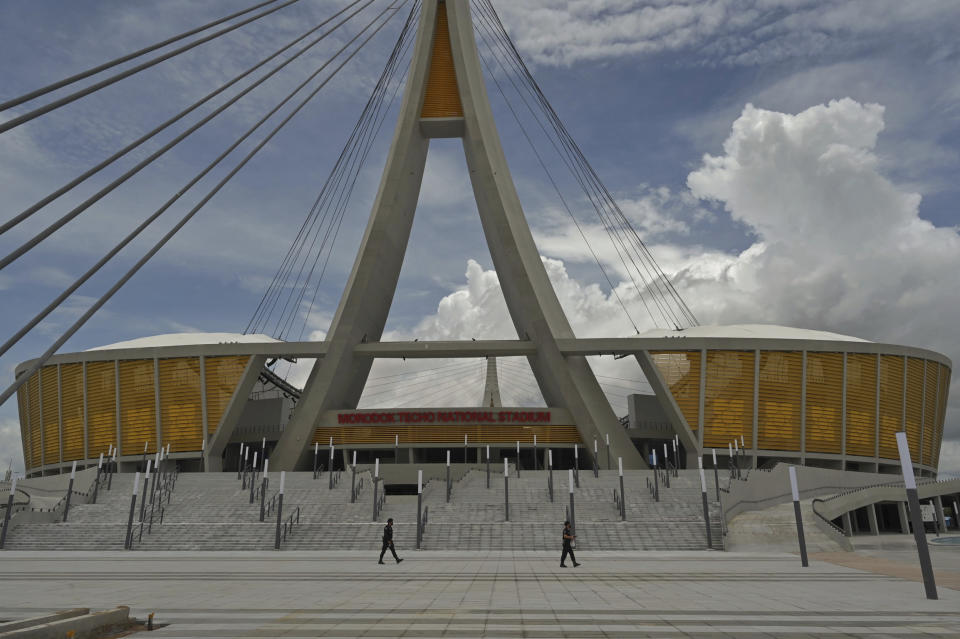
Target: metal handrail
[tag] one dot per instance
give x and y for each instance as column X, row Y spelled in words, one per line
column 813, row 505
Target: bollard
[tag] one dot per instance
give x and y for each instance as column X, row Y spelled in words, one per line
column 263, row 488
column 110, row 464
column 316, row 450
column 376, row 482
column 608, row 453
column 676, row 459
column 66, row 506
column 706, row 508
column 448, row 476
column 9, row 510
column 253, row 475
column 550, row 472
column 716, row 474
column 623, row 495
column 576, row 464
column 488, row 466
column 96, row 482
column 353, row 479
column 913, row 500
column 330, row 467
column 573, row 514
column 796, row 512
column 506, row 491
column 276, row 542
column 143, row 502
column 656, row 478
column 128, row 541
column 419, row 508
column 596, row 462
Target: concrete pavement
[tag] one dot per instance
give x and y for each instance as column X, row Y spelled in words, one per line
column 480, row 594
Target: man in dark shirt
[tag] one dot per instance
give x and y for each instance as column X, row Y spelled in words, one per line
column 568, row 538
column 388, row 542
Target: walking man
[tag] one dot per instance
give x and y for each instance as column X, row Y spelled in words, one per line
column 568, row 538
column 388, row 542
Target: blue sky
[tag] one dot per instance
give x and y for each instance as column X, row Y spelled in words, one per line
column 787, row 162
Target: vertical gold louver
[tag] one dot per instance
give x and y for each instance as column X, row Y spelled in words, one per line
column 728, row 405
column 914, row 405
column 681, row 373
column 36, row 421
column 891, row 404
column 780, row 380
column 138, row 416
column 442, row 98
column 929, row 412
column 861, row 404
column 824, row 402
column 180, row 410
column 222, row 376
column 71, row 381
column 101, row 407
column 51, row 415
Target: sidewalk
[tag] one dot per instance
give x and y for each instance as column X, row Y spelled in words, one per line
column 481, row 594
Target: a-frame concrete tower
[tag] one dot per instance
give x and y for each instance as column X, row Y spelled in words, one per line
column 445, row 97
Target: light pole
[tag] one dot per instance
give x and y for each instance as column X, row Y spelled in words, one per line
column 66, row 506
column 706, row 508
column 913, row 500
column 506, row 490
column 623, row 495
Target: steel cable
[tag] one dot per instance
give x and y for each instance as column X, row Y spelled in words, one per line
column 166, row 238
column 56, row 104
column 6, row 226
column 26, row 97
column 73, row 213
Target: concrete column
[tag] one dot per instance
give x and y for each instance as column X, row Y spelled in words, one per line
column 847, row 524
column 938, row 506
column 872, row 518
column 904, row 520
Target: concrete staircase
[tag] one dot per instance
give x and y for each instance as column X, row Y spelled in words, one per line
column 212, row 512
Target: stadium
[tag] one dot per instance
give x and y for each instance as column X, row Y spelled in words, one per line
column 783, row 394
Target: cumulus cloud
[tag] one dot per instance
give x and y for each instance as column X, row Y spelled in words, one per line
column 11, row 449
column 716, row 32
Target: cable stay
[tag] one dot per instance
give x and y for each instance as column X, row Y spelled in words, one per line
column 26, row 97
column 325, row 216
column 56, row 104
column 633, row 253
column 83, row 206
column 383, row 18
column 156, row 214
column 6, row 226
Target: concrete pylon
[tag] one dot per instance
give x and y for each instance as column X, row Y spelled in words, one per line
column 445, row 96
column 491, row 388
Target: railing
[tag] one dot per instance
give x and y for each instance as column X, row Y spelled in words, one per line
column 288, row 523
column 165, row 482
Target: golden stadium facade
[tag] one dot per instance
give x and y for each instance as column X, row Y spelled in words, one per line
column 806, row 397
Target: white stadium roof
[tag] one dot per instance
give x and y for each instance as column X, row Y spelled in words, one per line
column 754, row 331
column 188, row 339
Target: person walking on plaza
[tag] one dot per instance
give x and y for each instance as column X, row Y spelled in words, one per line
column 568, row 538
column 388, row 542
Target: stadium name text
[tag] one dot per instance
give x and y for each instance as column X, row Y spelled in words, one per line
column 446, row 417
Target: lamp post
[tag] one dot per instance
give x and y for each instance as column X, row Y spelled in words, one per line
column 796, row 513
column 9, row 510
column 263, row 488
column 448, row 476
column 330, row 467
column 316, row 452
column 143, row 502
column 488, row 466
column 353, row 479
column 536, row 462
column 506, row 490
column 550, row 472
column 607, row 435
column 518, row 459
column 596, row 462
column 716, row 473
column 576, row 464
column 96, row 483
column 573, row 514
column 419, row 508
column 276, row 542
column 376, row 486
column 656, row 477
column 623, row 495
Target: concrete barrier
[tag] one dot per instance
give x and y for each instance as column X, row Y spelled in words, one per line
column 36, row 621
column 86, row 626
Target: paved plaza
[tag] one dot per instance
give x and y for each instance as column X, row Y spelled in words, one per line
column 486, row 594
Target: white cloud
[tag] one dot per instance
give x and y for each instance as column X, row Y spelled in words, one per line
column 11, row 449
column 717, row 32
